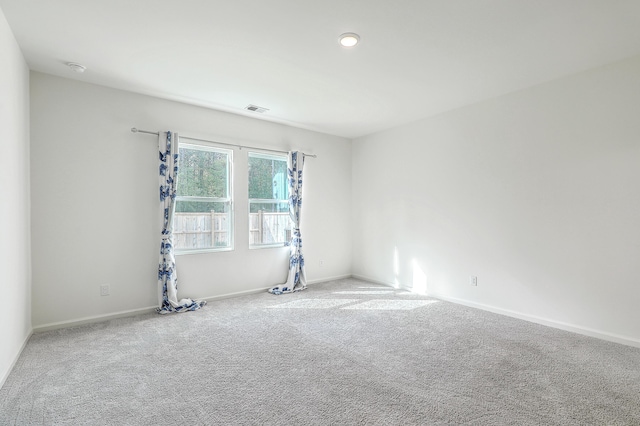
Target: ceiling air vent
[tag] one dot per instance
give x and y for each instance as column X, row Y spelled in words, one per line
column 256, row 108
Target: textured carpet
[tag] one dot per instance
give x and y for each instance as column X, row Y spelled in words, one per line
column 340, row 353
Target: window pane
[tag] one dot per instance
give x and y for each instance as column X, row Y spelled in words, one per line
column 203, row 173
column 271, row 207
column 201, row 225
column 206, row 222
column 269, row 224
column 268, row 177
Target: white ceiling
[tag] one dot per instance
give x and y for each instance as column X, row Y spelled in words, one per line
column 416, row 58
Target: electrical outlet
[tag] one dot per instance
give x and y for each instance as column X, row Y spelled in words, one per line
column 104, row 290
column 321, row 263
column 473, row 280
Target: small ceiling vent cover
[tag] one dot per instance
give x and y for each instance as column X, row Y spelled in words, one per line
column 256, row 108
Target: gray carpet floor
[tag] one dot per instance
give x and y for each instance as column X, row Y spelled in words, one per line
column 345, row 352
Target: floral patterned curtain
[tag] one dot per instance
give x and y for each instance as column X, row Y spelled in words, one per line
column 296, row 280
column 167, row 276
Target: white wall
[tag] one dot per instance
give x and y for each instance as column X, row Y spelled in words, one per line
column 95, row 201
column 537, row 193
column 15, row 314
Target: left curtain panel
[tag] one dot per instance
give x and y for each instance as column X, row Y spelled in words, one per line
column 167, row 275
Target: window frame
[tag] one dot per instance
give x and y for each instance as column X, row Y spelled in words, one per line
column 205, row 146
column 266, row 156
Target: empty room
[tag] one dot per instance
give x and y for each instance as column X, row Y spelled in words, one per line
column 416, row 212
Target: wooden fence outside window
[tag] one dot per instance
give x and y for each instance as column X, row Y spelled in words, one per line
column 211, row 230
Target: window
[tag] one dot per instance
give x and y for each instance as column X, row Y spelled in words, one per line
column 202, row 219
column 269, row 223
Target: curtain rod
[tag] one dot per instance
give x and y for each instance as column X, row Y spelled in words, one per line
column 134, row 130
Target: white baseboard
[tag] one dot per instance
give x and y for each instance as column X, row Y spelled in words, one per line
column 15, row 359
column 264, row 289
column 236, row 294
column 531, row 318
column 327, row 279
column 376, row 281
column 133, row 312
column 129, row 313
column 92, row 319
column 611, row 337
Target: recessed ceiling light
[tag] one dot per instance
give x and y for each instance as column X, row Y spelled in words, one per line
column 256, row 108
column 349, row 39
column 76, row 67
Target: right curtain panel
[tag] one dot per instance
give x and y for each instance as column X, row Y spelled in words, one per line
column 296, row 280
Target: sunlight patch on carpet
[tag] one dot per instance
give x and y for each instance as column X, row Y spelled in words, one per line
column 364, row 292
column 391, row 305
column 313, row 304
